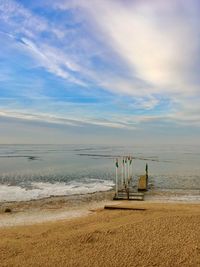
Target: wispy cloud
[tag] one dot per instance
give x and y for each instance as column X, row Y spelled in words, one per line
column 45, row 118
column 26, row 28
column 138, row 60
column 15, row 15
column 151, row 39
column 53, row 60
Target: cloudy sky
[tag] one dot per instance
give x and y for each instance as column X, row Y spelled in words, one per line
column 99, row 71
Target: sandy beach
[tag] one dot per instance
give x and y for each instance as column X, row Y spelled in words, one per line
column 163, row 234
column 99, row 133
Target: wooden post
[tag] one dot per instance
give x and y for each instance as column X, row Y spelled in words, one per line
column 147, row 172
column 128, row 193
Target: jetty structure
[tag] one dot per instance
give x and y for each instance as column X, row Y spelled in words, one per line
column 124, row 187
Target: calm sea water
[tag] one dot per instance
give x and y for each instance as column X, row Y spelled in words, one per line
column 37, row 171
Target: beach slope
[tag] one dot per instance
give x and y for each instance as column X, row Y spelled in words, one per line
column 160, row 235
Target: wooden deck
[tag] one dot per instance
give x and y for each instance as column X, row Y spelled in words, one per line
column 132, row 195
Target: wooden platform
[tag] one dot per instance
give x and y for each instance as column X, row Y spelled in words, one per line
column 112, row 207
column 122, row 195
column 143, row 183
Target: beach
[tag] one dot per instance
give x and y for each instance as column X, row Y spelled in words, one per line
column 99, row 133
column 56, row 217
column 154, row 234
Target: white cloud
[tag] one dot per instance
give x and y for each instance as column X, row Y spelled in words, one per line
column 157, row 43
column 152, row 37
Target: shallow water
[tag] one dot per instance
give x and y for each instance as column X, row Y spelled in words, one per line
column 38, row 171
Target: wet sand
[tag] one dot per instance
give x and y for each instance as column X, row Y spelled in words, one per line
column 164, row 234
column 52, row 208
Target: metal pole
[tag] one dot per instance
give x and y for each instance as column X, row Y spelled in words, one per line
column 128, row 170
column 125, row 172
column 122, row 181
column 132, row 167
column 116, row 188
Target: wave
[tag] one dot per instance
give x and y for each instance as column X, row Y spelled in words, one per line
column 42, row 190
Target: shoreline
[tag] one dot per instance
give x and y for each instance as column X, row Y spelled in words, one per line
column 55, row 208
column 152, row 192
column 56, row 201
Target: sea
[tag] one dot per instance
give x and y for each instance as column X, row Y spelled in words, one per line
column 38, row 171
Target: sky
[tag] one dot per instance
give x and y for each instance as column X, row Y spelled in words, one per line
column 99, row 71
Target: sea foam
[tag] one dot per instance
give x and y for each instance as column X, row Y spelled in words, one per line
column 42, row 190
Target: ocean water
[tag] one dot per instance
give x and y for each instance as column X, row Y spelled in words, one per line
column 38, row 171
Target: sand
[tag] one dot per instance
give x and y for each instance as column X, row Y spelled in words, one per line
column 52, row 208
column 164, row 234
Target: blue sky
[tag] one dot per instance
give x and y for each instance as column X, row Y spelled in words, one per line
column 100, row 71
